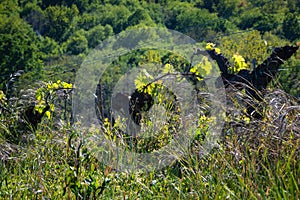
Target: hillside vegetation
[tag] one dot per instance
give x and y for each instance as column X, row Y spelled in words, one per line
column 42, row 153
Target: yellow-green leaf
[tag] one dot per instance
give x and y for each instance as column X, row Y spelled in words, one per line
column 239, row 63
column 66, row 85
column 193, row 69
column 48, row 114
column 39, row 96
column 168, row 68
column 55, row 85
column 1, row 94
column 210, row 46
column 52, row 107
column 218, row 51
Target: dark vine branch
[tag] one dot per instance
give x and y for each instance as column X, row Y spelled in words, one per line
column 255, row 80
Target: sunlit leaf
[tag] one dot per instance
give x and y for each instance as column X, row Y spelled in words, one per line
column 55, row 85
column 1, row 94
column 168, row 68
column 39, row 96
column 48, row 114
column 239, row 63
column 210, row 46
column 52, row 107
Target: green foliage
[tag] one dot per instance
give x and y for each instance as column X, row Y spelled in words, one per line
column 248, row 164
column 18, row 47
column 115, row 16
column 97, row 34
column 249, row 45
column 173, row 10
column 239, row 63
column 45, row 94
column 143, row 83
column 9, row 8
column 50, row 48
column 195, row 22
column 202, row 68
column 87, row 21
column 256, row 159
column 269, row 22
column 227, row 8
column 254, row 49
column 77, row 43
column 273, row 40
column 293, row 6
column 140, row 16
column 155, row 12
column 289, row 77
column 3, row 99
column 34, row 15
column 58, row 20
column 82, row 5
column 291, row 26
column 211, row 46
column 249, row 18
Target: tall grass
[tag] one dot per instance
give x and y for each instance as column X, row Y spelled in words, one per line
column 256, row 159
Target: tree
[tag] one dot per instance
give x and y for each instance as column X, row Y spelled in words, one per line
column 115, row 16
column 209, row 5
column 87, row 21
column 248, row 44
column 18, row 47
column 294, row 6
column 197, row 23
column 34, row 15
column 77, row 43
column 97, row 34
column 227, row 8
column 267, row 22
column 140, row 16
column 58, row 20
column 82, row 5
column 291, row 26
column 173, row 10
column 49, row 48
column 46, row 3
column 156, row 12
column 248, row 18
column 9, row 8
